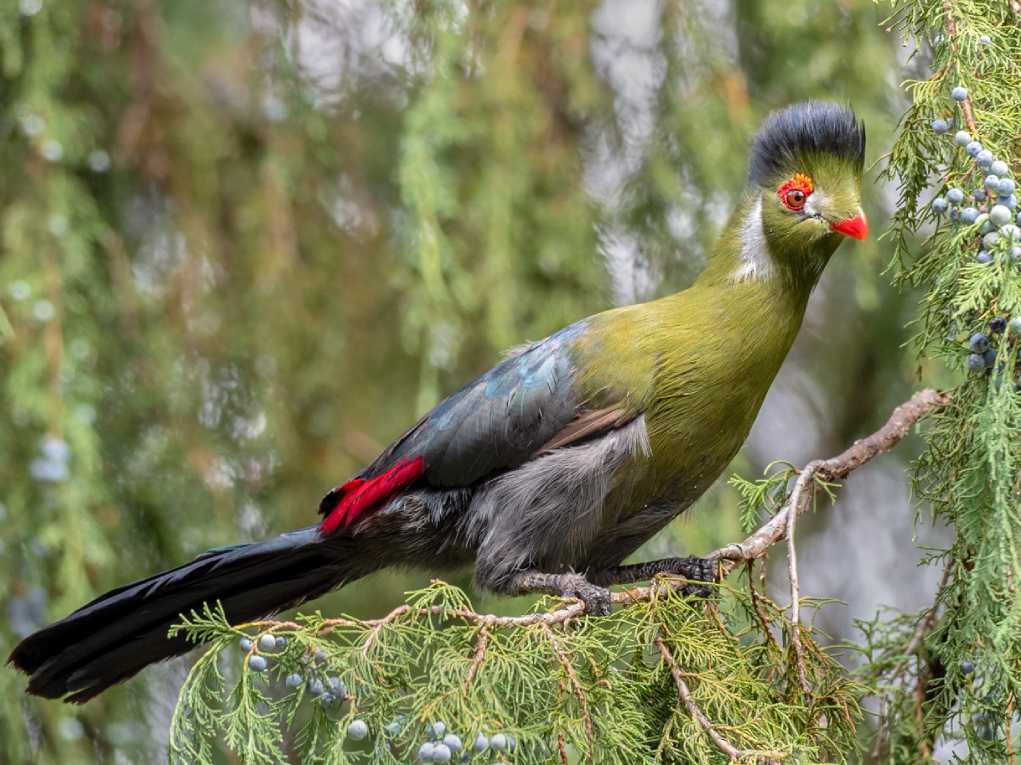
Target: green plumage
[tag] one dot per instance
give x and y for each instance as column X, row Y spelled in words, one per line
column 698, row 364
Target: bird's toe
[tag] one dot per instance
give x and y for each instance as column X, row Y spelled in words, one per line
column 598, row 600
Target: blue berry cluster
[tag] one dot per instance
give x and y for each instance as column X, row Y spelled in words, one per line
column 264, row 644
column 441, row 745
column 327, row 690
column 982, row 346
column 993, row 206
column 446, row 746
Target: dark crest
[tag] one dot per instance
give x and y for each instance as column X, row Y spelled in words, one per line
column 809, row 127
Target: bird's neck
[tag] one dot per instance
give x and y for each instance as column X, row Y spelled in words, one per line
column 744, row 254
column 746, row 307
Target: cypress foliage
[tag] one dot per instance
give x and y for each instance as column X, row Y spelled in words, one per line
column 961, row 682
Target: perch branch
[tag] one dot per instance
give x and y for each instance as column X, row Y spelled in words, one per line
column 753, row 547
column 836, row 468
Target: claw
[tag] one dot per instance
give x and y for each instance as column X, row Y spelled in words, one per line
column 697, row 570
column 597, row 600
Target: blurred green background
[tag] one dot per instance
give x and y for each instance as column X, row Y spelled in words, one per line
column 244, row 245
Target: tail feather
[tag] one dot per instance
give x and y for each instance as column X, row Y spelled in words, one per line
column 119, row 633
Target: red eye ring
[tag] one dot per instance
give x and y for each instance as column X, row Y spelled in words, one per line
column 794, row 191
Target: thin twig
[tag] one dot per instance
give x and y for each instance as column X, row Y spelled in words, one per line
column 684, row 694
column 923, row 627
column 572, row 676
column 688, row 701
column 756, row 606
column 562, row 749
column 951, row 25
column 478, row 656
column 921, row 630
column 393, row 616
column 1007, row 734
column 836, row 468
column 925, row 747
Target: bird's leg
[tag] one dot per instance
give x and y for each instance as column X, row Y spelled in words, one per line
column 695, row 569
column 596, row 598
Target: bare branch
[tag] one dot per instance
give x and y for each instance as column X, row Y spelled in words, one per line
column 753, row 547
column 836, row 468
column 807, row 476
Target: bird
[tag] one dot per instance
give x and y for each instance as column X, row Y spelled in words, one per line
column 550, row 469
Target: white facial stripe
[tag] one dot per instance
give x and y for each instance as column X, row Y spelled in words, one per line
column 755, row 261
column 814, row 202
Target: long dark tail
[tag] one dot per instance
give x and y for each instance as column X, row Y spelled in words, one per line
column 125, row 630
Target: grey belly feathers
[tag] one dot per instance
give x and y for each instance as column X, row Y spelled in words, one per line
column 568, row 509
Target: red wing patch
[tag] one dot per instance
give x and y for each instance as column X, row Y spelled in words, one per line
column 361, row 494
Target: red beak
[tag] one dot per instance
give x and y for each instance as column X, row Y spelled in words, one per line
column 856, row 227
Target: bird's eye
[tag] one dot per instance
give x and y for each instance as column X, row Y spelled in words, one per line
column 795, row 190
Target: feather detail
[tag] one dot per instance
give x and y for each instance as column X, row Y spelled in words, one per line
column 587, row 424
column 354, row 498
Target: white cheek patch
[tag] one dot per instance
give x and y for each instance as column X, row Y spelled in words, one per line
column 755, row 261
column 814, row 202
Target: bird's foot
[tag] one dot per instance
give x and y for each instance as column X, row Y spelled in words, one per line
column 598, row 600
column 697, row 570
column 700, row 572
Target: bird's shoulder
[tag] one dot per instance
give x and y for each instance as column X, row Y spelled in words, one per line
column 551, row 393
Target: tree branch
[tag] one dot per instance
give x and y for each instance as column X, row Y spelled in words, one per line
column 807, row 475
column 753, row 547
column 480, row 653
column 836, row 468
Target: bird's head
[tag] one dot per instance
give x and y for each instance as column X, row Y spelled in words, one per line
column 805, row 172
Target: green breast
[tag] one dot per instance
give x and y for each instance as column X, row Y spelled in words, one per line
column 698, row 364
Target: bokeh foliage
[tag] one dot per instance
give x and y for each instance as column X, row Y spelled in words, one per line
column 243, row 245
